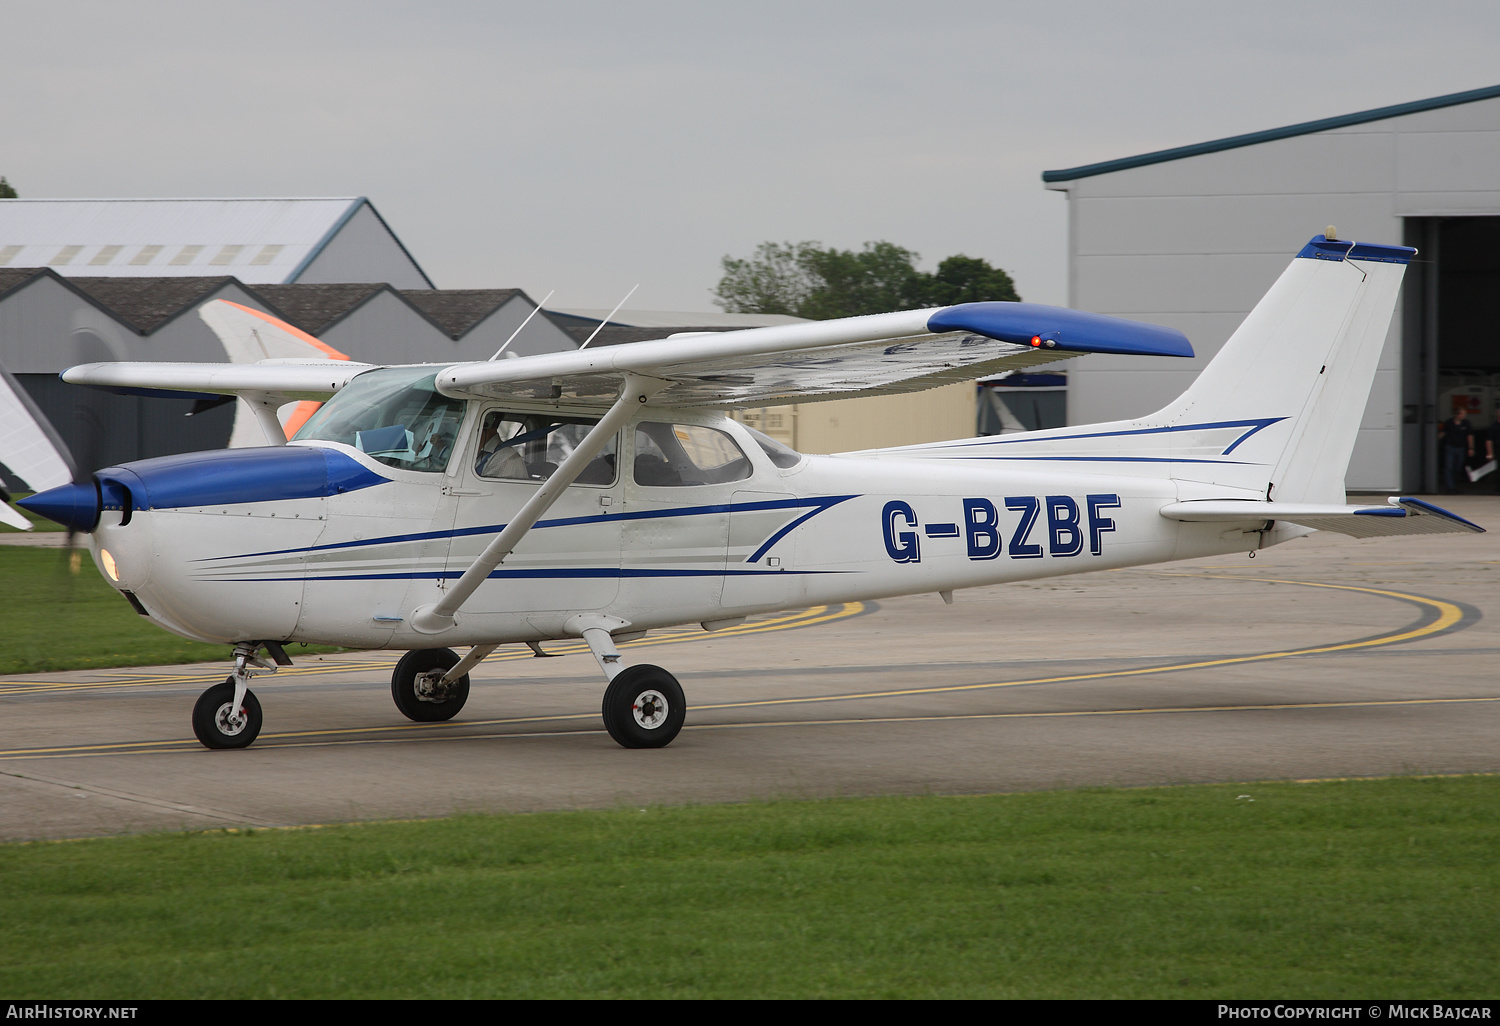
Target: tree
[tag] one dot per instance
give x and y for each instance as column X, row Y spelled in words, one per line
column 807, row 280
column 965, row 279
column 7, row 191
column 777, row 280
column 881, row 277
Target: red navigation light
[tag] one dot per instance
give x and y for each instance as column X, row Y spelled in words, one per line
column 1036, row 340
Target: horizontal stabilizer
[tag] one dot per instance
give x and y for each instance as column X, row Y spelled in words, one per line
column 1401, row 516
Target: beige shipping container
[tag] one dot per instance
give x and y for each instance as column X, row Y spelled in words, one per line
column 844, row 425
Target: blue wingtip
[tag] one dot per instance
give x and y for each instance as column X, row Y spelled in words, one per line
column 1055, row 327
column 75, row 506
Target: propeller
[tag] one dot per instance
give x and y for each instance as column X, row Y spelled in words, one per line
column 33, row 452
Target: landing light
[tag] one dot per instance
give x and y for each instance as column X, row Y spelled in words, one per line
column 109, row 565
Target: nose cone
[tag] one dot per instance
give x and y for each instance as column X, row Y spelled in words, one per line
column 75, row 506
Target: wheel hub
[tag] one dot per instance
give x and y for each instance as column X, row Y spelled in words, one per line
column 650, row 709
column 429, row 687
column 231, row 721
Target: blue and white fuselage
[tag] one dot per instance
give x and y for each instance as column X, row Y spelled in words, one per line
column 340, row 548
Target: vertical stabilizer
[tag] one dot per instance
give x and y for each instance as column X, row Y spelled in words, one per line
column 1274, row 415
column 1300, row 369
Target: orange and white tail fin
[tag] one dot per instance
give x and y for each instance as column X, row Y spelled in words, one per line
column 250, row 336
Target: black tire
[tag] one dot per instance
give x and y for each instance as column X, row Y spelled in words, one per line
column 213, row 724
column 404, row 686
column 644, row 707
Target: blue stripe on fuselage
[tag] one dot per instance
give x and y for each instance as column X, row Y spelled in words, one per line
column 818, row 504
column 572, row 572
column 1258, row 424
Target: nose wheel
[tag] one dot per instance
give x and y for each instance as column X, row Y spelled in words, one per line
column 644, row 707
column 217, row 721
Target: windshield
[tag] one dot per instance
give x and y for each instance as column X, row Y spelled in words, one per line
column 396, row 415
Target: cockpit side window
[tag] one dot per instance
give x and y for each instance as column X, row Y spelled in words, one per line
column 529, row 447
column 677, row 455
column 395, row 415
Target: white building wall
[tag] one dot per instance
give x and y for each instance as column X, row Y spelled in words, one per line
column 1193, row 243
column 539, row 336
column 387, row 330
column 364, row 249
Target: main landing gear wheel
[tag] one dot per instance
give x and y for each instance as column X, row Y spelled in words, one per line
column 219, row 726
column 644, row 707
column 416, row 686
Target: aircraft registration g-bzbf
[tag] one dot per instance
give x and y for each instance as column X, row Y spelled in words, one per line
column 603, row 493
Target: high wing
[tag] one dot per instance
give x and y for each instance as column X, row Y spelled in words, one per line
column 267, row 356
column 871, row 355
column 878, row 354
column 1401, row 516
column 285, row 380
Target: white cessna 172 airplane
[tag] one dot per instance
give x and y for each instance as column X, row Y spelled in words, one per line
column 603, row 493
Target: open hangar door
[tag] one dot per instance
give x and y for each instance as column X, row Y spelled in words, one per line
column 1450, row 340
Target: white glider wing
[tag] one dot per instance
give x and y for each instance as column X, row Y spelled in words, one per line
column 877, row 354
column 1401, row 516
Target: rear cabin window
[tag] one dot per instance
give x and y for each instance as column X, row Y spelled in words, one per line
column 782, row 456
column 529, row 447
column 679, row 455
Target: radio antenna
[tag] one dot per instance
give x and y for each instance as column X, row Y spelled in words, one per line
column 535, row 310
column 611, row 314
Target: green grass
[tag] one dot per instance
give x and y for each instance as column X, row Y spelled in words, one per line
column 1380, row 888
column 56, row 619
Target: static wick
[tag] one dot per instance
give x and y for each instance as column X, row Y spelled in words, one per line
column 611, row 314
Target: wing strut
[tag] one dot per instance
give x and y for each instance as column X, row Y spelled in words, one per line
column 438, row 617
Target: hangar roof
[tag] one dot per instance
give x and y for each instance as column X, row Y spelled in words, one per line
column 145, row 304
column 259, row 241
column 1252, row 138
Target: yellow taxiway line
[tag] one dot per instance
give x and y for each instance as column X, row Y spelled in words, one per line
column 670, row 636
column 1445, row 615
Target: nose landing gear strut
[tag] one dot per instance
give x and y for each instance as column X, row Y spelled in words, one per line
column 228, row 715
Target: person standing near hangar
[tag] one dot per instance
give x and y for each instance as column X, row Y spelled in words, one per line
column 1456, row 442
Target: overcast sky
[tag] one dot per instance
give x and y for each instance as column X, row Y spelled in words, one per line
column 588, row 146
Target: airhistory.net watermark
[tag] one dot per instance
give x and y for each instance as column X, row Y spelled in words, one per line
column 55, row 1010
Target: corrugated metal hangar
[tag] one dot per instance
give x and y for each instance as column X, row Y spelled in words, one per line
column 259, row 241
column 1192, row 237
